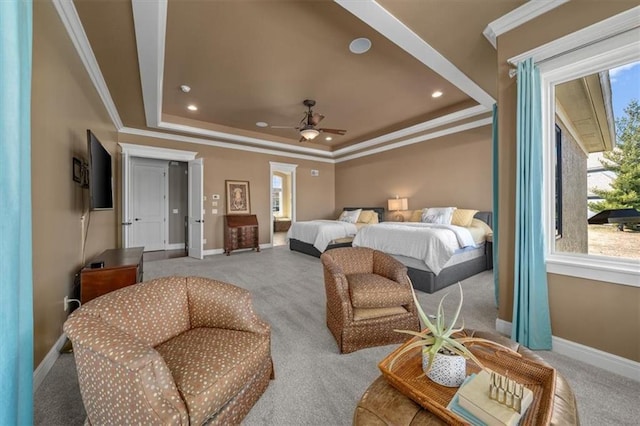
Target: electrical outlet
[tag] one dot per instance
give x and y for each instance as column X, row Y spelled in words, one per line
column 214, row 211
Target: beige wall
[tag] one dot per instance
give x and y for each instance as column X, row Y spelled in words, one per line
column 571, row 299
column 315, row 194
column 65, row 104
column 453, row 170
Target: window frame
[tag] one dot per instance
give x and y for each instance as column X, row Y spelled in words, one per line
column 574, row 63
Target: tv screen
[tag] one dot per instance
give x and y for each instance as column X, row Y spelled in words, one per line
column 100, row 176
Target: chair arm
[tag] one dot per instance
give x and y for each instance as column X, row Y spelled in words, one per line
column 389, row 267
column 113, row 365
column 93, row 333
column 337, row 291
column 216, row 304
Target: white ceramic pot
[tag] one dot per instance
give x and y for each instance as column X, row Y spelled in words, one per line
column 446, row 370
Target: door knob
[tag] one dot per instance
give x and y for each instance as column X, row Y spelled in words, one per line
column 137, row 219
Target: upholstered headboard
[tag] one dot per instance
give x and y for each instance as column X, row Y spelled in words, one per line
column 378, row 210
column 486, row 217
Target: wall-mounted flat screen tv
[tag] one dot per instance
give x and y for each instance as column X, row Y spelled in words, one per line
column 100, row 175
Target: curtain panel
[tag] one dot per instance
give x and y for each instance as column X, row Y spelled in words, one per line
column 16, row 292
column 531, row 321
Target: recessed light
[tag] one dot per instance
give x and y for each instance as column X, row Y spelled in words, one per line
column 360, row 45
column 192, row 108
column 262, row 124
column 436, row 94
column 328, row 138
column 185, row 88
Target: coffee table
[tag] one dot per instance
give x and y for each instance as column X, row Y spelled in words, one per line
column 382, row 404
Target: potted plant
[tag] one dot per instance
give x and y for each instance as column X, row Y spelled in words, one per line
column 443, row 353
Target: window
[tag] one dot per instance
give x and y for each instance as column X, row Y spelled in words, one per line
column 276, row 202
column 558, row 195
column 585, row 57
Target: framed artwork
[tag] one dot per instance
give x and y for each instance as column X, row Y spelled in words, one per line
column 238, row 200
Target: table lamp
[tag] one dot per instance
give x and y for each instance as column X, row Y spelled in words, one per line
column 397, row 204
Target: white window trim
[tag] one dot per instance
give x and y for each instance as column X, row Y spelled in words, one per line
column 578, row 57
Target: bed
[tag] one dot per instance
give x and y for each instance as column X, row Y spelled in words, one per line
column 316, row 236
column 456, row 265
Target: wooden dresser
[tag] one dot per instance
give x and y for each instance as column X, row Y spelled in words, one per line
column 121, row 268
column 240, row 231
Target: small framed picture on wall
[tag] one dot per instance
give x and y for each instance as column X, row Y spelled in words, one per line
column 238, row 200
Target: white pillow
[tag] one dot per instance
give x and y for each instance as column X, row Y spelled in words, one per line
column 350, row 216
column 440, row 215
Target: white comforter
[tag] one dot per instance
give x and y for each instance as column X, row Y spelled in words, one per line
column 321, row 232
column 432, row 243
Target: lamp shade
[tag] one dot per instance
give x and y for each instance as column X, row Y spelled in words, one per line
column 396, row 204
column 309, row 134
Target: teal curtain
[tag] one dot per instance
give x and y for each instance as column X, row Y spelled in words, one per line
column 16, row 292
column 531, row 322
column 496, row 189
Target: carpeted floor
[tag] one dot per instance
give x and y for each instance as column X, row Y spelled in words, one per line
column 314, row 384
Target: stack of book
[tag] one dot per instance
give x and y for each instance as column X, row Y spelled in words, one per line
column 487, row 398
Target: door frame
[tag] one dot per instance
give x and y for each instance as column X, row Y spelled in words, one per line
column 128, row 152
column 283, row 168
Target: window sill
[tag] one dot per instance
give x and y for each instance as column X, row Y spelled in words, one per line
column 598, row 268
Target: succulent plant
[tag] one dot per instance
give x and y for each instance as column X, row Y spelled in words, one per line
column 438, row 336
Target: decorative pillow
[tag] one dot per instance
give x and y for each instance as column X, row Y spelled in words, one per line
column 366, row 216
column 416, row 216
column 350, row 216
column 441, row 215
column 480, row 224
column 463, row 217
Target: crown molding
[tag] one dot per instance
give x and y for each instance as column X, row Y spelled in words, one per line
column 378, row 18
column 617, row 25
column 418, row 128
column 423, row 138
column 71, row 21
column 156, row 152
column 523, row 14
column 219, row 144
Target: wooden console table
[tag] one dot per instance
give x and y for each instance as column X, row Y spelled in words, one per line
column 240, row 231
column 121, row 268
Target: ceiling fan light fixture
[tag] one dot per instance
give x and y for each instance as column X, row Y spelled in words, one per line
column 309, row 133
column 360, row 45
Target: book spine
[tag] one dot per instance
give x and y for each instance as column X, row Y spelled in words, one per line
column 485, row 416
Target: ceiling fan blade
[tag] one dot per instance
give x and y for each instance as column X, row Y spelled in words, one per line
column 316, row 118
column 334, row 131
column 302, row 139
column 284, row 127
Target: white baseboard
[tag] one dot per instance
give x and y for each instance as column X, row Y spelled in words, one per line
column 609, row 362
column 174, row 246
column 47, row 363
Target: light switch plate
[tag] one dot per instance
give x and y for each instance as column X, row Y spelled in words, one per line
column 175, row 211
column 315, row 172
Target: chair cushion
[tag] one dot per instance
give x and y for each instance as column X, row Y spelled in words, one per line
column 208, row 375
column 370, row 313
column 376, row 291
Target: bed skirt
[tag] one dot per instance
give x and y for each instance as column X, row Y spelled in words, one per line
column 428, row 282
column 306, row 248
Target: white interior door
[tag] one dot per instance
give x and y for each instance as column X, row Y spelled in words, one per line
column 196, row 221
column 148, row 204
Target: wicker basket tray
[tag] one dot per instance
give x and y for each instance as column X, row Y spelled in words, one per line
column 407, row 376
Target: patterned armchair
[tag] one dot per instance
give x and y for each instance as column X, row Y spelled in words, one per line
column 368, row 296
column 175, row 350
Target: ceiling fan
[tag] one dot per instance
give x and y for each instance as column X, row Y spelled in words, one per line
column 307, row 127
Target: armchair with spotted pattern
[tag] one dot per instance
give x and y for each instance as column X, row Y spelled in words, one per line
column 175, row 350
column 368, row 297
